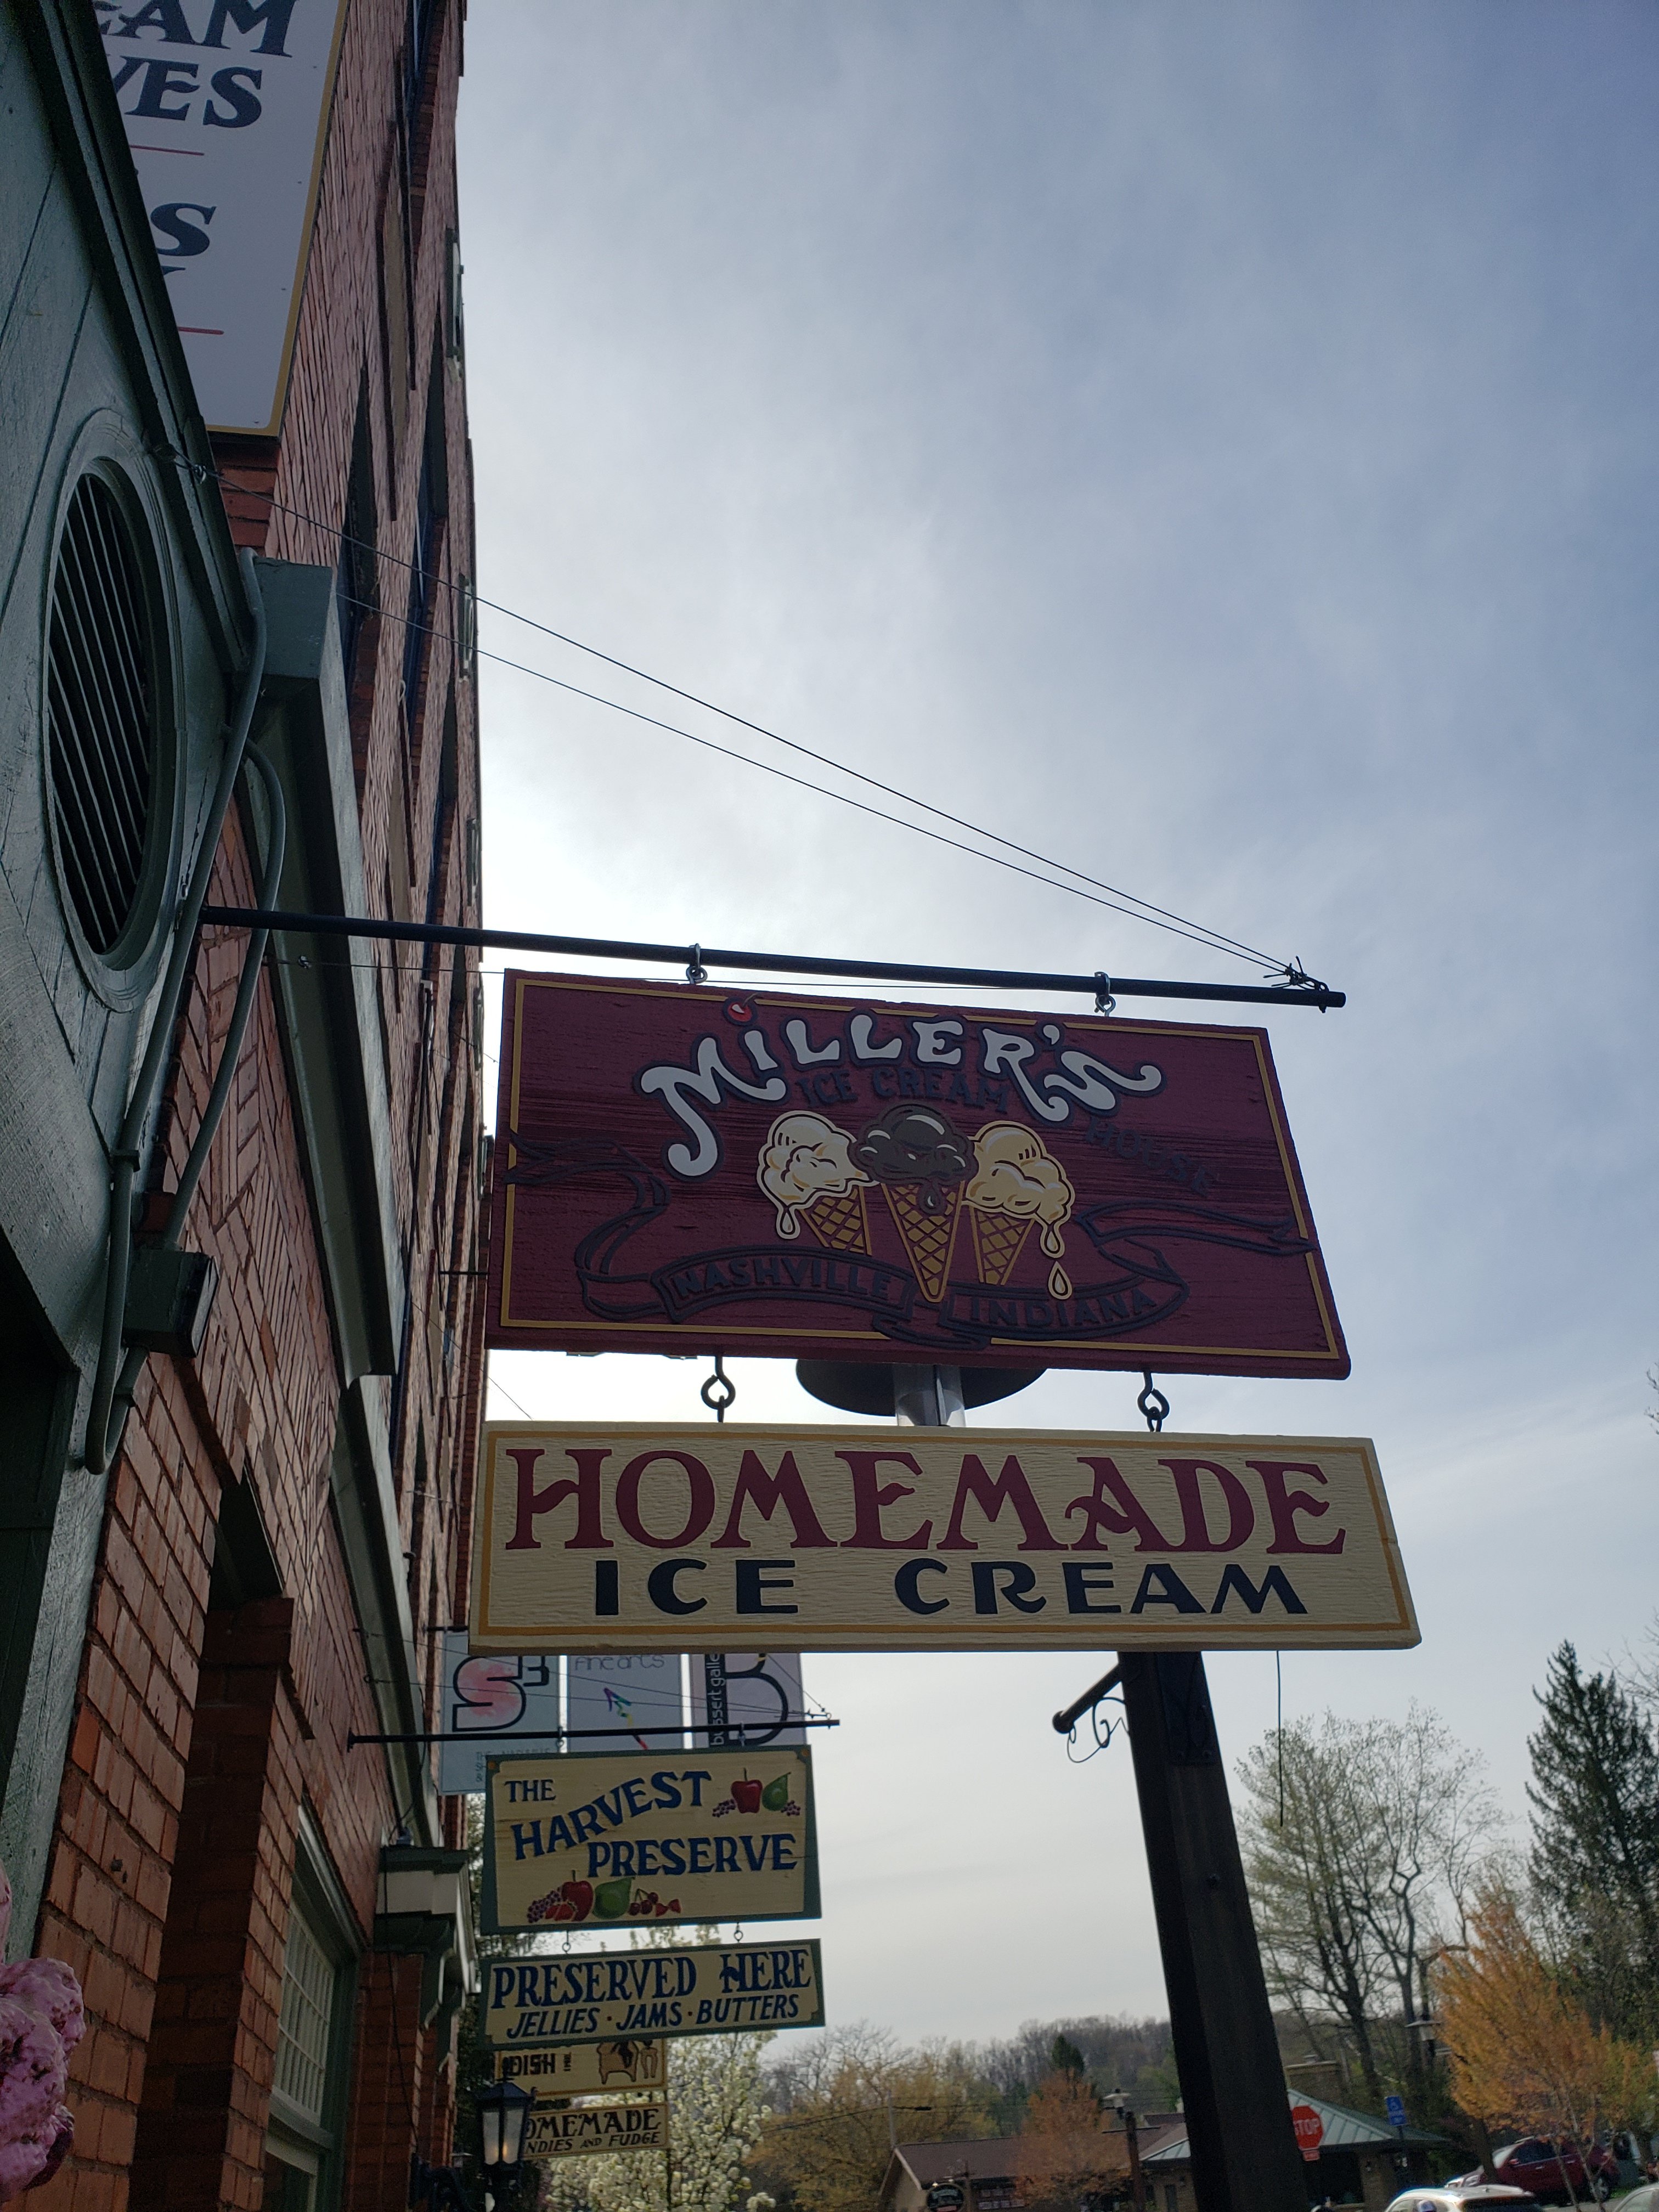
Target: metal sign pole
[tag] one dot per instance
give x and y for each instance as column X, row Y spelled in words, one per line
column 1232, row 2078
column 928, row 1398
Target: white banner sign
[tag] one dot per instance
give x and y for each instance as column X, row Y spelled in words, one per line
column 226, row 106
column 481, row 1698
column 627, row 1693
column 746, row 1696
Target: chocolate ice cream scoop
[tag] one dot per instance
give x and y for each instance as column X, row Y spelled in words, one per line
column 915, row 1145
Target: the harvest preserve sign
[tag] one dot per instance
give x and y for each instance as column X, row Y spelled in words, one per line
column 628, row 1538
column 834, row 1178
column 713, row 1990
column 226, row 106
column 576, row 1842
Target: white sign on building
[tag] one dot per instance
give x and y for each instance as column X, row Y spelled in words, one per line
column 746, row 1698
column 226, row 106
column 484, row 1696
column 626, row 1693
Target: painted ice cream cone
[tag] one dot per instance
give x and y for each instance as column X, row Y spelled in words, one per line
column 1017, row 1185
column 839, row 1221
column 921, row 1162
column 805, row 1171
column 998, row 1240
column 929, row 1237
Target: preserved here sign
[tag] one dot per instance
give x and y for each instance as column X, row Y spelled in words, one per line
column 712, row 1989
column 625, row 1538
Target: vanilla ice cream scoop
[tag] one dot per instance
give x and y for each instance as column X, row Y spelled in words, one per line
column 1014, row 1175
column 805, row 1157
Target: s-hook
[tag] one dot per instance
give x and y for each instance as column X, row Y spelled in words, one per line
column 695, row 970
column 1104, row 1002
column 719, row 1390
column 1152, row 1404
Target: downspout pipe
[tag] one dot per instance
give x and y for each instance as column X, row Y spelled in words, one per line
column 127, row 1151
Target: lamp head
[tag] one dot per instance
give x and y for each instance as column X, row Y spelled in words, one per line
column 503, row 2108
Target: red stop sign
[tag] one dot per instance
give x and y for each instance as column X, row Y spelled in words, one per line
column 1310, row 2130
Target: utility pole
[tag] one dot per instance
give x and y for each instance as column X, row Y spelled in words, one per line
column 1232, row 2080
column 1126, row 2111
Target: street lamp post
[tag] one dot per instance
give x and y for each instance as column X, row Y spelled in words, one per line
column 503, row 2108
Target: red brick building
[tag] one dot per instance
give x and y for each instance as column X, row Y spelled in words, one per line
column 270, row 1922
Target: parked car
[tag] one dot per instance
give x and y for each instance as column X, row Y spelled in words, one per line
column 1470, row 2194
column 1557, row 2175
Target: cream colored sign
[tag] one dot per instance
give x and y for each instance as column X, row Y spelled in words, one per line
column 590, row 2130
column 587, row 2070
column 674, row 1836
column 626, row 1538
column 714, row 1989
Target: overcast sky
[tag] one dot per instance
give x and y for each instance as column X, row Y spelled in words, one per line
column 1216, row 447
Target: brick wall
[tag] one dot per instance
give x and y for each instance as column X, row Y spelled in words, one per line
column 200, row 1735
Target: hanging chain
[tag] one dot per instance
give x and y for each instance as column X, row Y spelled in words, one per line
column 1104, row 1002
column 719, row 1390
column 1152, row 1405
column 695, row 970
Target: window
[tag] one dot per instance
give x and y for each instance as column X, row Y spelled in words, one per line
column 313, row 2041
column 431, row 505
column 104, row 765
column 355, row 572
column 308, row 2015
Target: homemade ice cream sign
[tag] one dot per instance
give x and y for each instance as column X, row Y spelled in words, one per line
column 664, row 1837
column 713, row 1990
column 687, row 1170
column 637, row 1538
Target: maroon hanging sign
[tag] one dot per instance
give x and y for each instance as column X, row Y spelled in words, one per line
column 763, row 1172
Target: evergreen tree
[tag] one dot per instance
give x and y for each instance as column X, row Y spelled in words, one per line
column 1064, row 2056
column 1594, row 1793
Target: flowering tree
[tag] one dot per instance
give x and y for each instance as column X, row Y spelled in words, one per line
column 715, row 2108
column 41, row 2023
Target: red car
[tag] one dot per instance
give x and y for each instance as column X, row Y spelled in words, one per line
column 1557, row 2175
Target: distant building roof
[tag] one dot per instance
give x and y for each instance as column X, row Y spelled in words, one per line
column 982, row 2158
column 1345, row 2130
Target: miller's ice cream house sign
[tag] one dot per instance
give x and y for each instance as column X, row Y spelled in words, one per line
column 694, row 1170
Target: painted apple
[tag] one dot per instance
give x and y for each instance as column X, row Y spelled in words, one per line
column 580, row 1895
column 746, row 1795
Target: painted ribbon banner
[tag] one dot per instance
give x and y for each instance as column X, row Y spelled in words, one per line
column 851, row 1539
column 687, row 1170
column 587, row 2070
column 657, row 1838
column 592, row 2131
column 712, row 1989
column 226, row 106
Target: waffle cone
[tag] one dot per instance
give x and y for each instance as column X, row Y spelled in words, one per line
column 998, row 1240
column 929, row 1239
column 839, row 1220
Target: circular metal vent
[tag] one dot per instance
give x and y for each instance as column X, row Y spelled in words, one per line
column 100, row 733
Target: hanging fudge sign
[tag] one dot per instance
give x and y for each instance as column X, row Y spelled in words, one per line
column 682, row 1169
